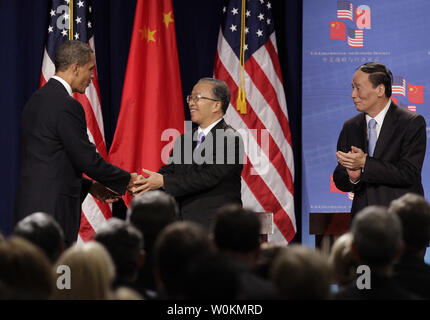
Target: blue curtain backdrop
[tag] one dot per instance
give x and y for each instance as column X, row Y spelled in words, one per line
column 24, row 28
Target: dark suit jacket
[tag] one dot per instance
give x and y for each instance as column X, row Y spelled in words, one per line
column 55, row 153
column 201, row 187
column 395, row 168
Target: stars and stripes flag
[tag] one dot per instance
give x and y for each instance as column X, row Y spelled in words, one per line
column 399, row 86
column 71, row 19
column 355, row 38
column 254, row 73
column 345, row 10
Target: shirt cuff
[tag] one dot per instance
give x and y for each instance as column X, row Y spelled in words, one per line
column 354, row 182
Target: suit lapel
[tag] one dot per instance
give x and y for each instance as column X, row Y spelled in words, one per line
column 362, row 129
column 387, row 130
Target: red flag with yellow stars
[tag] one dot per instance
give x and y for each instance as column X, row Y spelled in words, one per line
column 152, row 95
column 415, row 93
column 337, row 30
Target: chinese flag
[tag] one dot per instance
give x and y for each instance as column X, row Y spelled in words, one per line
column 415, row 93
column 337, row 30
column 152, row 95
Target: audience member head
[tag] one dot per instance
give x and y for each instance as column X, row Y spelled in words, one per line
column 124, row 244
column 236, row 232
column 414, row 213
column 176, row 248
column 342, row 264
column 43, row 231
column 301, row 273
column 25, row 271
column 91, row 272
column 268, row 253
column 150, row 213
column 377, row 237
column 213, row 277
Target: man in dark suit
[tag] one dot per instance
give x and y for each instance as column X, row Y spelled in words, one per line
column 204, row 169
column 56, row 150
column 381, row 150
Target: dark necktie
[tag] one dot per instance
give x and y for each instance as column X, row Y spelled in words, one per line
column 201, row 139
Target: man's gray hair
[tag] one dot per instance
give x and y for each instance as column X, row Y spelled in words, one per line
column 377, row 235
column 220, row 90
column 71, row 51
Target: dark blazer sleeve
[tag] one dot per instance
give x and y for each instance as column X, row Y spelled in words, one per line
column 85, row 188
column 405, row 169
column 340, row 175
column 205, row 176
column 72, row 130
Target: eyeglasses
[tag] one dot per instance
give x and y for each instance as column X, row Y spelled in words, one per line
column 196, row 98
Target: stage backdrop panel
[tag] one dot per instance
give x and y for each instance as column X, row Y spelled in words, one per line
column 339, row 36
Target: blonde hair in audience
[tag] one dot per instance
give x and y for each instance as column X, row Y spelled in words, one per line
column 92, row 272
column 341, row 261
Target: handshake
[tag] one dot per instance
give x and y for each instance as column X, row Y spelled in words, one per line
column 138, row 185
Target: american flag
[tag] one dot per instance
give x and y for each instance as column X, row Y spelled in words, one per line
column 355, row 38
column 344, row 10
column 71, row 19
column 412, row 108
column 268, row 174
column 399, row 86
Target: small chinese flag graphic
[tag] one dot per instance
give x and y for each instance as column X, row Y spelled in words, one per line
column 337, row 30
column 415, row 93
column 333, row 186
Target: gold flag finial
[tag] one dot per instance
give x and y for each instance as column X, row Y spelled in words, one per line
column 241, row 96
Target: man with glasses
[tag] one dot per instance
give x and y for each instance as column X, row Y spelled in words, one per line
column 205, row 166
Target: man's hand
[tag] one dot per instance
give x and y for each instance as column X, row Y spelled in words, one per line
column 135, row 181
column 154, row 181
column 354, row 175
column 103, row 193
column 353, row 160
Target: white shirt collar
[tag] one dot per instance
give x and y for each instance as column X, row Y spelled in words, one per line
column 65, row 84
column 209, row 128
column 379, row 118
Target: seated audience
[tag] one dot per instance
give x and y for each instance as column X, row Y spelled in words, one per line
column 25, row 271
column 91, row 273
column 177, row 246
column 411, row 272
column 377, row 243
column 150, row 213
column 125, row 246
column 301, row 273
column 236, row 234
column 43, row 231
